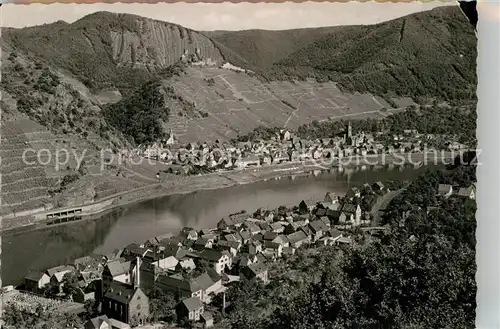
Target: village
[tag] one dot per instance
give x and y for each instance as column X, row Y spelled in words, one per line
column 284, row 147
column 199, row 264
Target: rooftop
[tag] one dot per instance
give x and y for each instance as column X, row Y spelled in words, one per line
column 192, row 303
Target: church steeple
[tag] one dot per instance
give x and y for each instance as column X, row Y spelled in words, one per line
column 348, row 133
column 171, row 139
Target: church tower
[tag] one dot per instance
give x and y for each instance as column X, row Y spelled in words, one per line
column 171, row 139
column 348, row 134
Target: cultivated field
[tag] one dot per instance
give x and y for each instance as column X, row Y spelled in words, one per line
column 225, row 103
column 26, row 181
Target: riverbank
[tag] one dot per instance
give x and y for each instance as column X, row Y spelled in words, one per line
column 52, row 245
column 223, row 179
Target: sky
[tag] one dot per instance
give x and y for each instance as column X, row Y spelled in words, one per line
column 224, row 16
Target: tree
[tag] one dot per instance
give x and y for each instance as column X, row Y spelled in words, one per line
column 39, row 317
column 161, row 305
column 91, row 308
column 70, row 283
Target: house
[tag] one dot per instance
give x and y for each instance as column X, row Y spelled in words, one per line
column 325, row 221
column 370, row 201
column 280, row 158
column 264, row 226
column 307, row 230
column 256, row 270
column 318, row 229
column 297, row 239
column 59, row 271
column 186, row 264
column 231, row 246
column 252, row 227
column 245, row 236
column 190, row 308
column 467, row 192
column 215, row 286
column 124, row 303
column 234, row 237
column 272, row 249
column 242, row 260
column 353, row 193
column 168, row 263
column 377, row 186
column 201, row 244
column 294, row 226
column 303, row 208
column 82, row 294
column 367, row 188
column 35, row 281
column 114, row 255
column 148, row 274
column 445, row 190
column 281, row 240
column 277, row 228
column 238, row 219
column 270, row 236
column 224, row 224
column 266, row 160
column 57, row 274
column 337, row 217
column 204, row 232
column 210, row 237
column 248, row 161
column 285, row 135
column 100, row 322
column 180, row 286
column 343, row 240
column 103, row 322
column 118, row 270
column 334, row 234
column 207, row 319
column 353, row 212
column 88, row 263
column 252, row 247
column 219, row 260
column 134, row 250
column 189, row 233
column 162, row 237
column 325, row 241
column 319, row 211
column 288, row 251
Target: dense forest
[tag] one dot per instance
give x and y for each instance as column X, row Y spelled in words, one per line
column 426, row 55
column 420, row 274
column 139, row 115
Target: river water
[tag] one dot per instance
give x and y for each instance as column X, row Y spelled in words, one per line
column 45, row 248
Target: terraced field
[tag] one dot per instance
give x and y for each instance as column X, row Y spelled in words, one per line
column 26, row 181
column 225, row 103
column 24, row 185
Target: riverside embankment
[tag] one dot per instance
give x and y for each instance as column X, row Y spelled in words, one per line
column 14, row 223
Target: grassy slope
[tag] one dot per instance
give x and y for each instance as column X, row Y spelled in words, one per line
column 418, row 55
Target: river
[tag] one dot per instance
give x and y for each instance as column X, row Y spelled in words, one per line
column 48, row 247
